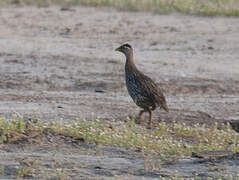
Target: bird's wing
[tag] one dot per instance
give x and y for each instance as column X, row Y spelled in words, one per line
column 152, row 91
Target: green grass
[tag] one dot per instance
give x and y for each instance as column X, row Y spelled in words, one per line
column 166, row 140
column 176, row 139
column 61, row 175
column 192, row 7
column 11, row 130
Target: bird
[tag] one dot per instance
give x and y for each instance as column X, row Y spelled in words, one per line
column 142, row 89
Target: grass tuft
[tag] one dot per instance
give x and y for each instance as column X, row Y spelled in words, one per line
column 61, row 175
column 9, row 129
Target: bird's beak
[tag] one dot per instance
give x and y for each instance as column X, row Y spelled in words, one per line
column 117, row 49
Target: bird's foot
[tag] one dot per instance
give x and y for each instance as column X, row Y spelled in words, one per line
column 149, row 126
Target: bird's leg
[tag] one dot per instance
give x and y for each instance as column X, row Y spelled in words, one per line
column 138, row 120
column 150, row 119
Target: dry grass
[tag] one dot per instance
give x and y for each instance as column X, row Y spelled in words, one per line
column 192, row 7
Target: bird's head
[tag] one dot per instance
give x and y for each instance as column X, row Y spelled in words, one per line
column 126, row 49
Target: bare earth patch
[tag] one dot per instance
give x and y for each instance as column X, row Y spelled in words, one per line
column 61, row 66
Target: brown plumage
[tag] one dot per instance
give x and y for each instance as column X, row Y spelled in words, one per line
column 143, row 90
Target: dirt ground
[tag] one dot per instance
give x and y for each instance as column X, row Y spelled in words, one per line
column 60, row 65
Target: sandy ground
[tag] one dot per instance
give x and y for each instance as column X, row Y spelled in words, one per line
column 61, row 65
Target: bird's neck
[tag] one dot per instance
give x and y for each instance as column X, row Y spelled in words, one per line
column 130, row 61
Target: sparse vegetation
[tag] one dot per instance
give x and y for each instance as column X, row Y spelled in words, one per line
column 61, row 175
column 176, row 139
column 24, row 172
column 28, row 168
column 193, row 7
column 166, row 140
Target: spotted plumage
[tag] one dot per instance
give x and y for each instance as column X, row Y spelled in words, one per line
column 142, row 89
